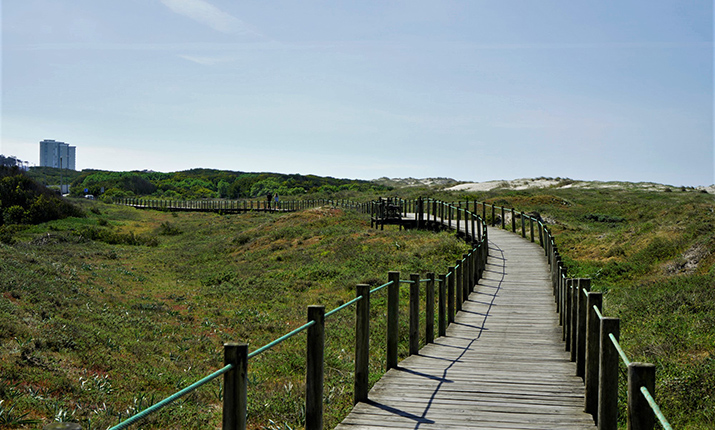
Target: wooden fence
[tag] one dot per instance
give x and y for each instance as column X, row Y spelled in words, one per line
column 235, row 206
column 444, row 295
column 590, row 337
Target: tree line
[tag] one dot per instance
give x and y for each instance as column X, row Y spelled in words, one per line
column 203, row 184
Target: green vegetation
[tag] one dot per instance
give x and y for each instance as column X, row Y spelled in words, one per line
column 95, row 326
column 652, row 253
column 198, row 183
column 23, row 201
column 103, row 315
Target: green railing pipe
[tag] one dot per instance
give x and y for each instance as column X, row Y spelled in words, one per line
column 281, row 339
column 656, row 410
column 126, row 423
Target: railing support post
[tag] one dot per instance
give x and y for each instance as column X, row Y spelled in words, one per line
column 593, row 325
column 466, row 277
column 393, row 300
column 574, row 319
column 429, row 309
column 531, row 229
column 583, row 284
column 640, row 415
column 569, row 310
column 314, row 368
column 450, row 294
column 442, row 313
column 235, row 383
column 362, row 343
column 414, row 347
column 608, row 376
column 458, row 283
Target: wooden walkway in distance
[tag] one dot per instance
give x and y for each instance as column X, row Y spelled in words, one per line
column 502, row 364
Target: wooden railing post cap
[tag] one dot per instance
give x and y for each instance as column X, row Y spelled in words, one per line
column 639, row 364
column 234, row 344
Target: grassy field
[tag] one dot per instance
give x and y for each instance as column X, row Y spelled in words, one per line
column 652, row 254
column 100, row 316
column 104, row 315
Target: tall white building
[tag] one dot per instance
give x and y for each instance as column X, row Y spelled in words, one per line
column 52, row 153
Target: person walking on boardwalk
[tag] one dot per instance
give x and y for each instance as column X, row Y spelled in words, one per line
column 269, row 197
column 276, row 201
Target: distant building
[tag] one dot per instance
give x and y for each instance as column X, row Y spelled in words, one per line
column 57, row 154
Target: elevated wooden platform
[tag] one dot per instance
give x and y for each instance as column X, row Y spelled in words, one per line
column 502, row 364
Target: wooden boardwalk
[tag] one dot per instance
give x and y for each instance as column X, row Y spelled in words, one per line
column 502, row 364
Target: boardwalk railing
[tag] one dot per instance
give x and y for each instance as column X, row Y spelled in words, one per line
column 444, row 294
column 235, row 206
column 590, row 337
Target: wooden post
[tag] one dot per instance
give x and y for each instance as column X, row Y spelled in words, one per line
column 569, row 310
column 314, row 368
column 458, row 281
column 459, row 218
column 608, row 376
column 583, row 284
column 564, row 300
column 466, row 224
column 450, row 294
column 414, row 313
column 442, row 313
column 531, row 229
column 640, row 415
column 362, row 343
column 574, row 319
column 513, row 221
column 449, row 208
column 474, row 226
column 503, row 221
column 466, row 276
column 593, row 325
column 429, row 309
column 235, row 383
column 523, row 225
column 393, row 301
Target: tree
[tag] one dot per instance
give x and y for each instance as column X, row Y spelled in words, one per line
column 223, row 188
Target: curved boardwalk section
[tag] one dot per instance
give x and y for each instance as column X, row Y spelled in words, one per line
column 502, row 364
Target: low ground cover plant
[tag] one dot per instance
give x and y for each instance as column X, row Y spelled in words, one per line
column 94, row 329
column 652, row 254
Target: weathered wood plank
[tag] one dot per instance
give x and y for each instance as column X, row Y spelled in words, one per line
column 501, row 365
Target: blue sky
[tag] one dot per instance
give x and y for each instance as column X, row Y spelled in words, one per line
column 474, row 90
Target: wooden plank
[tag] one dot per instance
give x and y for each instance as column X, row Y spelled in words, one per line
column 502, row 363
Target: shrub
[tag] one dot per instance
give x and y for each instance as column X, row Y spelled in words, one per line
column 168, row 229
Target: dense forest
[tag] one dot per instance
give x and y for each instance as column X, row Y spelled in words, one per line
column 198, row 183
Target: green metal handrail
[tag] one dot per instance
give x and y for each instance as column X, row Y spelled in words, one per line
column 656, row 410
column 280, row 339
column 131, row 420
column 341, row 307
column 380, row 287
column 622, row 353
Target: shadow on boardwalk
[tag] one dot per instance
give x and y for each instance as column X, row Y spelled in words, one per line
column 502, row 364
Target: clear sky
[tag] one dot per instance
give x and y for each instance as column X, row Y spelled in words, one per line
column 475, row 90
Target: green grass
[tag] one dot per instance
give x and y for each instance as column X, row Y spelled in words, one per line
column 652, row 253
column 93, row 329
column 85, row 323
